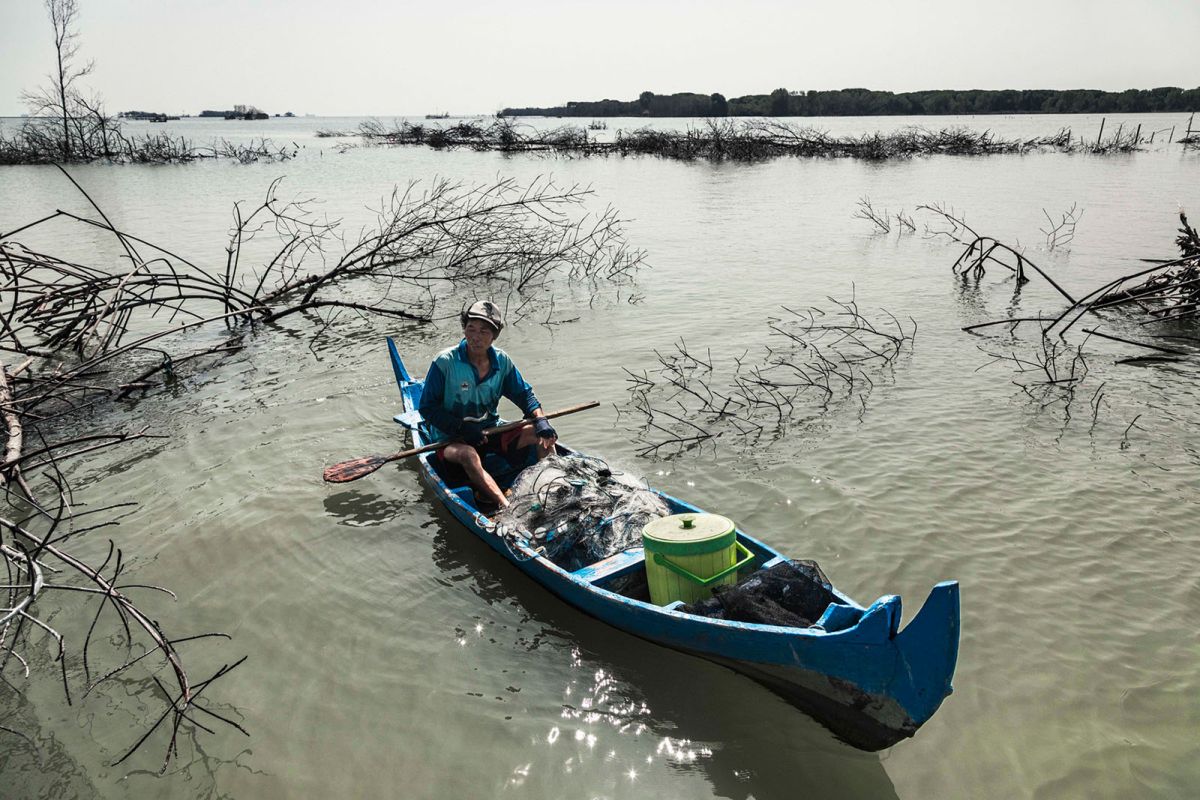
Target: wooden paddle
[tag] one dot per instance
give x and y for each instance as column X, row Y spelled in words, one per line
column 361, row 467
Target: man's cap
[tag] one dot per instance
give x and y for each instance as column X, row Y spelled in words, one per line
column 486, row 311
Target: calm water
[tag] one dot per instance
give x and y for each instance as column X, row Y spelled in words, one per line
column 393, row 655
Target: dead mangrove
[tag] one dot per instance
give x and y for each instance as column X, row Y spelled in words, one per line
column 99, row 138
column 1167, row 292
column 1153, row 310
column 734, row 140
column 820, row 358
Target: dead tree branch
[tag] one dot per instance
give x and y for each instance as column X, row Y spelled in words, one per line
column 1167, row 292
column 1060, row 234
column 824, row 356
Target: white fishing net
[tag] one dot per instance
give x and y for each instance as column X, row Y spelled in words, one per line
column 578, row 510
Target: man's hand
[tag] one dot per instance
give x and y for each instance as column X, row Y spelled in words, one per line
column 472, row 433
column 546, row 436
column 543, row 428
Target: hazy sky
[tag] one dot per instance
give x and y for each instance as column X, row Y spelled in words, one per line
column 399, row 57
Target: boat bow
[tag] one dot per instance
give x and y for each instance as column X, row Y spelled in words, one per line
column 926, row 654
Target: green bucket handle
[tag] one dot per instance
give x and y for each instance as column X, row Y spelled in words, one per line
column 662, row 560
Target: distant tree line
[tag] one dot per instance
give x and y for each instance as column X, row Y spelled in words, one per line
column 867, row 103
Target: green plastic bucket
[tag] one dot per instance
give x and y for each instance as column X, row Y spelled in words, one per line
column 689, row 554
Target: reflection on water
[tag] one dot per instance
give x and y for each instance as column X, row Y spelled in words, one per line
column 633, row 714
column 363, row 509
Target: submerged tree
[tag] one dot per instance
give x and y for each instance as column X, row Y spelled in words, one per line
column 821, row 357
column 1169, row 291
column 1158, row 306
column 736, row 140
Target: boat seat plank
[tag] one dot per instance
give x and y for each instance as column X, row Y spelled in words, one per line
column 610, row 566
column 463, row 493
column 409, row 419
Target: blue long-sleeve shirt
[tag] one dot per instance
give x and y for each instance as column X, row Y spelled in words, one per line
column 454, row 392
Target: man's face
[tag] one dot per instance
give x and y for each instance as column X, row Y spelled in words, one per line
column 479, row 335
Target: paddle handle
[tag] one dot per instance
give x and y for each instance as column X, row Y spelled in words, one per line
column 361, row 467
column 505, row 428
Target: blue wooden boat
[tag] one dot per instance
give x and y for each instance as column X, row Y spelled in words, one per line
column 857, row 673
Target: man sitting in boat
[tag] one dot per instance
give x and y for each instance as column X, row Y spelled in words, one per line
column 460, row 401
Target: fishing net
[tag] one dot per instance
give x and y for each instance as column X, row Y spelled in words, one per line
column 791, row 593
column 578, row 510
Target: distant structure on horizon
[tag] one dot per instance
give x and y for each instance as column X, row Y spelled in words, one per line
column 238, row 112
column 146, row 116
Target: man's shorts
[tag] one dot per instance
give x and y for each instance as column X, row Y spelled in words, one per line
column 502, row 446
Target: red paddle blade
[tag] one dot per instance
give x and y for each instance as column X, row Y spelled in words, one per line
column 353, row 470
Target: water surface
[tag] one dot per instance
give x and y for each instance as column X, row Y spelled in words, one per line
column 393, row 655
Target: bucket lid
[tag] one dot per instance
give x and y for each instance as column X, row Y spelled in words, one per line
column 689, row 534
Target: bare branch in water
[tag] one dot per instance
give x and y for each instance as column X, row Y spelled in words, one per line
column 1060, row 234
column 1166, row 292
column 826, row 356
column 1051, row 368
column 881, row 220
column 722, row 139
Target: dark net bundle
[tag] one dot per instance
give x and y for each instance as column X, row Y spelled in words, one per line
column 791, row 593
column 578, row 510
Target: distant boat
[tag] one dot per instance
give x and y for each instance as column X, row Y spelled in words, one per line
column 443, row 115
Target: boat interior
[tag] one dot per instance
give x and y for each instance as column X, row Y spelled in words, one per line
column 624, row 573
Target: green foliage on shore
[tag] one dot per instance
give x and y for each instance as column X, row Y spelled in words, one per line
column 868, row 103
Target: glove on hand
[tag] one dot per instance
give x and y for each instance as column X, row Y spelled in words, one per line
column 543, row 428
column 472, row 433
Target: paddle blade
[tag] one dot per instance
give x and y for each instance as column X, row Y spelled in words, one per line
column 353, row 470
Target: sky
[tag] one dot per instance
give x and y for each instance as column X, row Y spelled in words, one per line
column 396, row 57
